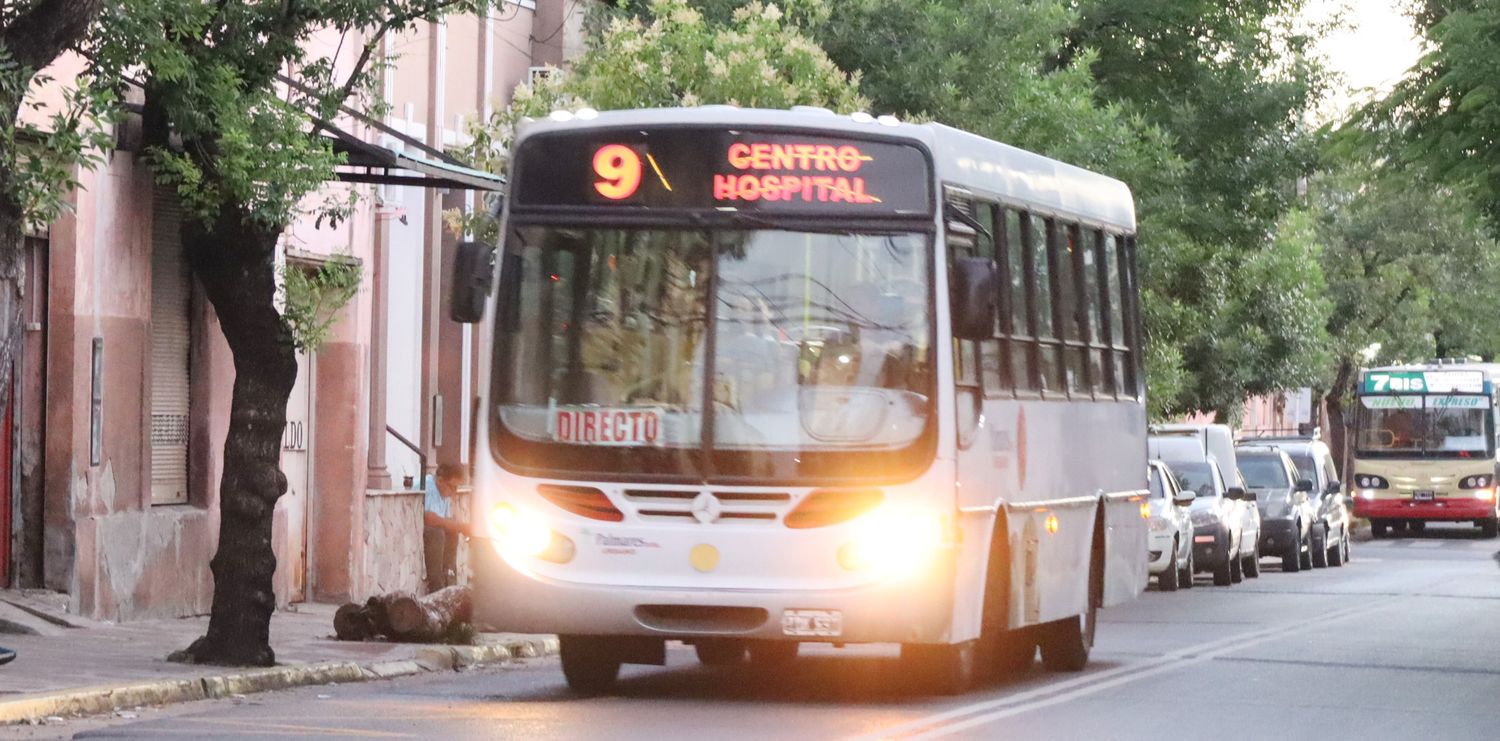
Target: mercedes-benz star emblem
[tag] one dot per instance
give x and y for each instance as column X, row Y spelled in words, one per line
column 706, row 508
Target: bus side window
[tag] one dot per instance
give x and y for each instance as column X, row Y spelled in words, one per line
column 1045, row 312
column 1098, row 278
column 1130, row 297
column 991, row 358
column 1016, row 327
column 965, row 242
column 1075, row 308
column 1118, row 355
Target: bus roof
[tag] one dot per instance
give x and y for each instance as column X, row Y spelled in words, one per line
column 1490, row 370
column 982, row 166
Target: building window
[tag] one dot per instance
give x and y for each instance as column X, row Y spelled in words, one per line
column 171, row 298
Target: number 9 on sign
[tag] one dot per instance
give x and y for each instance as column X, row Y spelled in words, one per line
column 619, row 171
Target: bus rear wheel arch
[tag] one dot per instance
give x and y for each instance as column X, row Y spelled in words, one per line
column 1066, row 643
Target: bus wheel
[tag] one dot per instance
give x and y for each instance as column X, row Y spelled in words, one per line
column 719, row 652
column 1490, row 527
column 589, row 663
column 773, row 653
column 942, row 669
column 1066, row 643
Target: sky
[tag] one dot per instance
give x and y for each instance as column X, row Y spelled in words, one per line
column 1373, row 51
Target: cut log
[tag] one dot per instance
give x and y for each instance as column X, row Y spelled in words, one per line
column 352, row 623
column 428, row 618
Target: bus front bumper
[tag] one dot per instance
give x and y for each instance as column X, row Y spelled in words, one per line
column 508, row 600
column 1454, row 508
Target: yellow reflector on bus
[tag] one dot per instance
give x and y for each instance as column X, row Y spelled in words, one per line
column 1052, row 524
column 1145, row 510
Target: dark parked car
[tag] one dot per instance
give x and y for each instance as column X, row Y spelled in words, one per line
column 1218, row 522
column 1287, row 512
column 1314, row 462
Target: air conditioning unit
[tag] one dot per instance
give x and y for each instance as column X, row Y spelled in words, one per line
column 537, row 74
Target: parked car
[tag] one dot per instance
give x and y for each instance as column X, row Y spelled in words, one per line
column 1287, row 512
column 1218, row 519
column 1171, row 535
column 1314, row 462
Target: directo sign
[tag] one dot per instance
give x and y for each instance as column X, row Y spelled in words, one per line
column 793, row 172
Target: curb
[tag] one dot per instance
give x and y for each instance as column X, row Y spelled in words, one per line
column 108, row 698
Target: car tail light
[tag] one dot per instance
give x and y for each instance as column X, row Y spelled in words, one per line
column 584, row 501
column 831, row 506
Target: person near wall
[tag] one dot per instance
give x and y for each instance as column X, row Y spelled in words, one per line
column 440, row 531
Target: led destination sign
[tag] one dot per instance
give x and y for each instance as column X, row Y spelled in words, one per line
column 1424, row 382
column 684, row 168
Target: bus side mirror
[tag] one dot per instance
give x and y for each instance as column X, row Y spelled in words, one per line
column 473, row 277
column 973, row 298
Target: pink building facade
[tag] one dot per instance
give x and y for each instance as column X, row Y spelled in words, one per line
column 122, row 396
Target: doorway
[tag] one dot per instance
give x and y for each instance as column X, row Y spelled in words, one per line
column 290, row 532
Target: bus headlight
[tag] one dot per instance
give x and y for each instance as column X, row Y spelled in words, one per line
column 895, row 542
column 1484, row 495
column 518, row 532
column 1366, row 493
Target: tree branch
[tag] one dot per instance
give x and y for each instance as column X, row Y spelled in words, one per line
column 37, row 36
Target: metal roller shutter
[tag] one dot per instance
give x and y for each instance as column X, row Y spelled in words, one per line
column 170, row 298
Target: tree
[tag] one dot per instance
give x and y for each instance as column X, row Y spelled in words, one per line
column 240, row 147
column 1445, row 114
column 36, row 162
column 1407, row 262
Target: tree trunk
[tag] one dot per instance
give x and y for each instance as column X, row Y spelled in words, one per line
column 235, row 262
column 1338, row 438
column 429, row 618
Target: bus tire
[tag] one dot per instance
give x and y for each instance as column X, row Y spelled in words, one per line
column 1066, row 643
column 773, row 653
column 589, row 663
column 1003, row 651
column 1167, row 580
column 1490, row 528
column 720, row 652
column 942, row 669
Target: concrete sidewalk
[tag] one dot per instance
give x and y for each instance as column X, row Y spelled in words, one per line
column 66, row 666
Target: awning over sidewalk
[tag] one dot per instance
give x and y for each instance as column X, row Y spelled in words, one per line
column 367, row 162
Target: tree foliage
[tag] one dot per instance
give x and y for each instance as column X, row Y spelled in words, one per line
column 1445, row 115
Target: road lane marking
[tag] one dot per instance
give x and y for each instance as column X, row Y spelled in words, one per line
column 968, row 716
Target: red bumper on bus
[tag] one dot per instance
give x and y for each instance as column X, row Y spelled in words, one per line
column 1457, row 508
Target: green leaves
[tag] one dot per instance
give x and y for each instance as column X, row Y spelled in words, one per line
column 311, row 296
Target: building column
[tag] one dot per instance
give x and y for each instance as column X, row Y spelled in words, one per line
column 377, row 474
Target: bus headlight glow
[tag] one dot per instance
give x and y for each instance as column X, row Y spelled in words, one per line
column 521, row 533
column 894, row 542
column 1484, row 495
column 1366, row 493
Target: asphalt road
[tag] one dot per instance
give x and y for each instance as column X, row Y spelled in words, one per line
column 1402, row 643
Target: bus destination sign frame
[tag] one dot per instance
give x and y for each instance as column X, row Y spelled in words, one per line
column 718, row 169
column 1424, row 382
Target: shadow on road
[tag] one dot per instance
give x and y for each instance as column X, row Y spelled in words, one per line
column 824, row 677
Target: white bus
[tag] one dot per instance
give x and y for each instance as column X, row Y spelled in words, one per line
column 762, row 378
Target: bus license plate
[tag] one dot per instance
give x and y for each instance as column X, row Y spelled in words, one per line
column 1422, row 496
column 817, row 623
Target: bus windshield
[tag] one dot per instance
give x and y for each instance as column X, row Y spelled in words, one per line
column 818, row 345
column 1455, row 426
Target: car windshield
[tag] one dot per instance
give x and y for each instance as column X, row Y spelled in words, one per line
column 819, row 344
column 1263, row 472
column 1448, row 426
column 1196, row 476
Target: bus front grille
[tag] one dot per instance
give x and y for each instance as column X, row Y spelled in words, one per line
column 699, row 506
